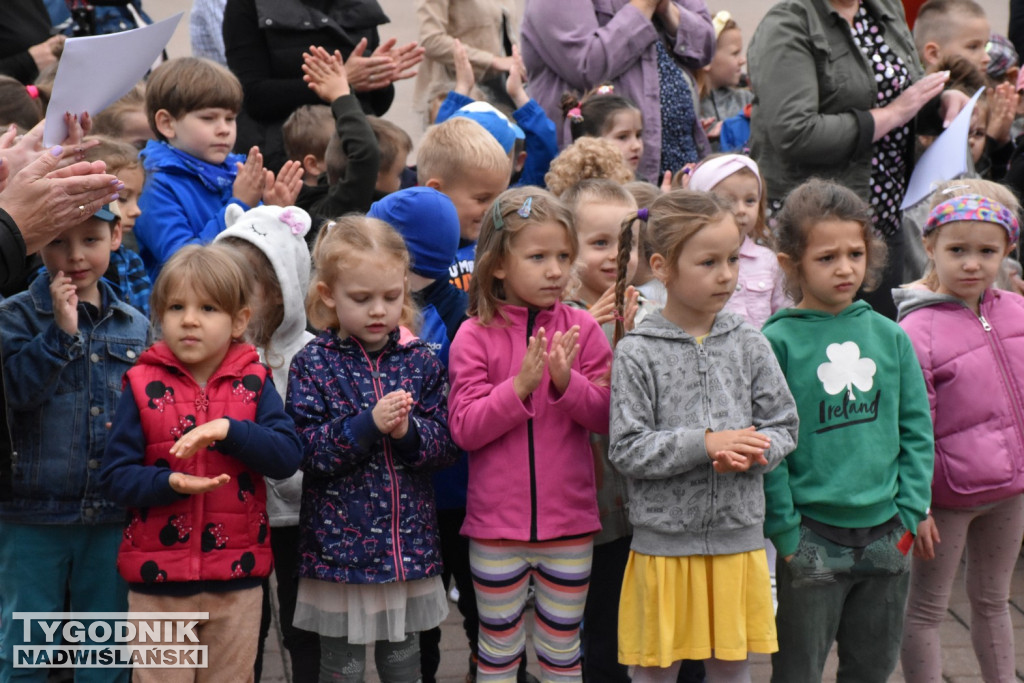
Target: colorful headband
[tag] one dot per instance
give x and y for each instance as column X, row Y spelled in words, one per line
column 973, row 207
column 719, row 21
column 713, row 171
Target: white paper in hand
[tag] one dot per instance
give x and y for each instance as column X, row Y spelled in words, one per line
column 945, row 159
column 95, row 71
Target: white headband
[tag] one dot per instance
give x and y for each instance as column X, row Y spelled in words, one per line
column 713, row 171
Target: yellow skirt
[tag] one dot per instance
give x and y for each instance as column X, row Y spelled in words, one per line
column 693, row 607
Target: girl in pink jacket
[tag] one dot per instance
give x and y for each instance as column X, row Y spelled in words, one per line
column 529, row 383
column 969, row 338
column 760, row 291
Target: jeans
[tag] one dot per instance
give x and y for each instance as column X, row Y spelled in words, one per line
column 832, row 593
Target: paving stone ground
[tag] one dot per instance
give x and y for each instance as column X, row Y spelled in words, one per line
column 958, row 662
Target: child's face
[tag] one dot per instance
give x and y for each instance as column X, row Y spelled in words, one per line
column 726, row 68
column 976, row 138
column 472, row 196
column 743, row 191
column 833, row 265
column 207, row 134
column 537, row 266
column 367, row 297
column 390, row 179
column 135, row 129
column 128, row 198
column 598, row 225
column 82, row 253
column 967, row 256
column 702, row 279
column 626, row 130
column 968, row 40
column 198, row 331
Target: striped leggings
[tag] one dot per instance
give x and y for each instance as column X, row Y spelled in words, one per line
column 501, row 575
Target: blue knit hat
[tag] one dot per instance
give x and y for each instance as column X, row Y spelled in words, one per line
column 429, row 224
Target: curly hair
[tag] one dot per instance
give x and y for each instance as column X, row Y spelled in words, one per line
column 816, row 201
column 587, row 158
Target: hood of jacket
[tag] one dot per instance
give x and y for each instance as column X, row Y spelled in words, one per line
column 910, row 299
column 656, row 325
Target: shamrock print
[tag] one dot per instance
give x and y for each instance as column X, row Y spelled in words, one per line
column 846, row 369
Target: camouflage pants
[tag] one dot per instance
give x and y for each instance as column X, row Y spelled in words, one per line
column 833, row 593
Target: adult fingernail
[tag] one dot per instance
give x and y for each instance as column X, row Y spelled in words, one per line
column 114, row 197
column 57, row 150
column 115, row 181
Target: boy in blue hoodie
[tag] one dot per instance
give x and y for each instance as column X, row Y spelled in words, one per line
column 192, row 175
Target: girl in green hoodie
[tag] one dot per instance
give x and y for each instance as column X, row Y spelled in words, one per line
column 839, row 505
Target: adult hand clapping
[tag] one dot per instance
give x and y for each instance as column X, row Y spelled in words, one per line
column 44, row 200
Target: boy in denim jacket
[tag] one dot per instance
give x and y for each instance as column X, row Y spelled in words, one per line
column 66, row 343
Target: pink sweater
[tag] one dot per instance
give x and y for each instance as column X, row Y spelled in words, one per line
column 531, row 472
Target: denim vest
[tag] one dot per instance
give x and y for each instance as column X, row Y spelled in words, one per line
column 61, row 393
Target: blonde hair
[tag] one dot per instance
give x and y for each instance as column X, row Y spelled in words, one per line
column 454, row 150
column 110, row 121
column 587, row 157
column 116, row 154
column 957, row 188
column 187, row 84
column 486, row 292
column 341, row 242
column 671, row 221
column 210, row 270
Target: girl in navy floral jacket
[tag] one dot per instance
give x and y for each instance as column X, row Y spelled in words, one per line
column 371, row 410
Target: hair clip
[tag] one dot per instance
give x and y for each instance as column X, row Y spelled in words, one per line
column 575, row 114
column 32, row 91
column 524, row 210
column 719, row 21
column 607, row 89
column 953, row 188
column 643, row 214
column 499, row 222
column 330, row 225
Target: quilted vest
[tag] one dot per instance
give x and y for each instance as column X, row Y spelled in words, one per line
column 216, row 536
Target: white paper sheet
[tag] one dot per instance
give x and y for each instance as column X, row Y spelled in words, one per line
column 95, row 71
column 945, row 159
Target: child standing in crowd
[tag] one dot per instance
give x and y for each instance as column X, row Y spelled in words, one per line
column 603, row 114
column 125, row 119
column 464, row 161
column 523, row 408
column 974, row 386
column 270, row 244
column 127, row 272
column 191, row 105
column 198, row 427
column 66, row 343
column 760, row 290
column 859, row 479
column 721, row 96
column 586, row 158
column 372, row 415
column 696, row 584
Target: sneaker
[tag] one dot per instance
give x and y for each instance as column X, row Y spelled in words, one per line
column 453, row 593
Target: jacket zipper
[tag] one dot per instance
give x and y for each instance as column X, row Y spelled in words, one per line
column 378, row 392
column 531, row 319
column 997, row 350
column 702, row 368
column 201, row 405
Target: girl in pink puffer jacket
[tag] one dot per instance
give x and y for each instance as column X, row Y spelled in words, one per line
column 969, row 339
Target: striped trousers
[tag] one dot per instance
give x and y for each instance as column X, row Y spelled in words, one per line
column 501, row 575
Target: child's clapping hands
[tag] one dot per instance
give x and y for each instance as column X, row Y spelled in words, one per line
column 558, row 361
column 391, row 414
column 736, row 450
